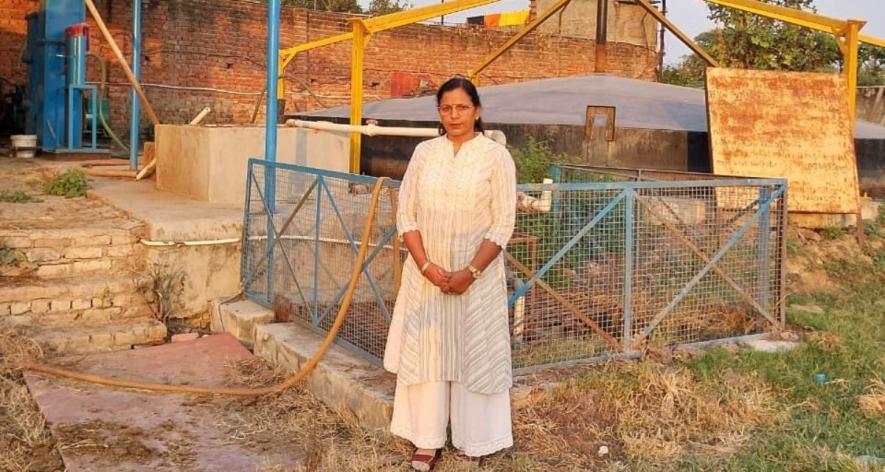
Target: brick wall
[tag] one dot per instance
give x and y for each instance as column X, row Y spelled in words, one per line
column 208, row 49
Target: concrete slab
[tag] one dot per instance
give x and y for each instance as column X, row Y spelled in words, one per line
column 169, row 216
column 100, row 428
column 239, row 319
column 765, row 345
column 209, row 163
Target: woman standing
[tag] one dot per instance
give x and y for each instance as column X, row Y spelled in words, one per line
column 449, row 340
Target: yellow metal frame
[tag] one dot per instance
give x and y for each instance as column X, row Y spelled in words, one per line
column 847, row 34
column 678, row 32
column 362, row 30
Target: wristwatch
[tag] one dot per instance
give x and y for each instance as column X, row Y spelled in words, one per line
column 474, row 271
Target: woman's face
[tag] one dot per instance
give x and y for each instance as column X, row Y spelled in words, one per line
column 458, row 114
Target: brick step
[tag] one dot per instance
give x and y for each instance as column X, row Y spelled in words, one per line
column 101, row 337
column 85, row 317
column 20, row 296
column 57, row 253
column 123, row 233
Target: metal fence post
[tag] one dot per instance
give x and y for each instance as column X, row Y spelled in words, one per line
column 629, row 215
column 247, row 206
column 321, row 182
column 763, row 246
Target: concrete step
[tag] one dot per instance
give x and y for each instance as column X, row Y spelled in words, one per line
column 110, row 336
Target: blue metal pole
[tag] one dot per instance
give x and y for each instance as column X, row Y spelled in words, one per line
column 629, row 215
column 270, row 120
column 134, row 122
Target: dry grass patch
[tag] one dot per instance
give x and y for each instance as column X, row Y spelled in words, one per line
column 874, row 401
column 644, row 414
column 25, row 441
column 326, row 439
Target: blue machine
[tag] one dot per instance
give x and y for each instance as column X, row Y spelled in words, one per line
column 57, row 43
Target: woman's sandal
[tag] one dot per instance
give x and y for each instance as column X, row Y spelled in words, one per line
column 424, row 462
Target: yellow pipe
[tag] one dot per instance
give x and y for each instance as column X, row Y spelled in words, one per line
column 491, row 57
column 679, row 34
column 357, row 53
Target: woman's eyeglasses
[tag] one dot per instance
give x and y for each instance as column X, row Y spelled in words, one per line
column 446, row 109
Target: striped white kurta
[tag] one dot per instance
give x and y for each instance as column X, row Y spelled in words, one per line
column 454, row 201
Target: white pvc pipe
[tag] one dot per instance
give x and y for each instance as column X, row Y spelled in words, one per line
column 543, row 204
column 375, row 130
column 197, row 119
column 519, row 319
column 208, row 242
column 368, row 130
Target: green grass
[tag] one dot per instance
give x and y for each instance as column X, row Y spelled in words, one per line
column 68, row 184
column 17, row 197
column 824, row 428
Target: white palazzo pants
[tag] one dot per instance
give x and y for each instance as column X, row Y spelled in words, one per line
column 481, row 424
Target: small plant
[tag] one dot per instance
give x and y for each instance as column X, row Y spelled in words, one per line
column 67, row 184
column 163, row 290
column 17, row 197
column 533, row 159
column 12, row 257
column 793, row 246
column 872, row 230
column 832, row 232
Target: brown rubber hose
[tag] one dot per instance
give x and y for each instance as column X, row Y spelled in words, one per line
column 247, row 392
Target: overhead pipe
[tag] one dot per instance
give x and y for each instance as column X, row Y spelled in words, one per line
column 135, row 116
column 601, row 34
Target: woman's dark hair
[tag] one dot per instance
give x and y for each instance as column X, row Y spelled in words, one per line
column 468, row 87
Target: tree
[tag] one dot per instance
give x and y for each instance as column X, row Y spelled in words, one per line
column 383, row 7
column 339, row 6
column 749, row 41
column 746, row 40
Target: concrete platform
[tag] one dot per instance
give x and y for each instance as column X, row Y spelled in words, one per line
column 211, row 269
column 100, row 428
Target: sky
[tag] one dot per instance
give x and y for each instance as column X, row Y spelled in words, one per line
column 691, row 17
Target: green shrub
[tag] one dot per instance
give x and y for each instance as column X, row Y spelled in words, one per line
column 68, row 184
column 17, row 197
column 832, row 232
column 534, row 158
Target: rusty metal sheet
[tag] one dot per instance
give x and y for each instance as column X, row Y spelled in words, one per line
column 785, row 124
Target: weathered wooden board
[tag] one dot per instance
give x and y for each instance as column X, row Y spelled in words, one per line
column 785, row 124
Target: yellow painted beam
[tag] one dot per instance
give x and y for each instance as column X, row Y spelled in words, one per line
column 288, row 54
column 788, row 15
column 678, row 33
column 872, row 40
column 491, row 57
column 357, row 55
column 852, row 63
column 407, row 17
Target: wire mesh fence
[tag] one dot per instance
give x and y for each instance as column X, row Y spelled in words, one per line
column 316, row 231
column 595, row 268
